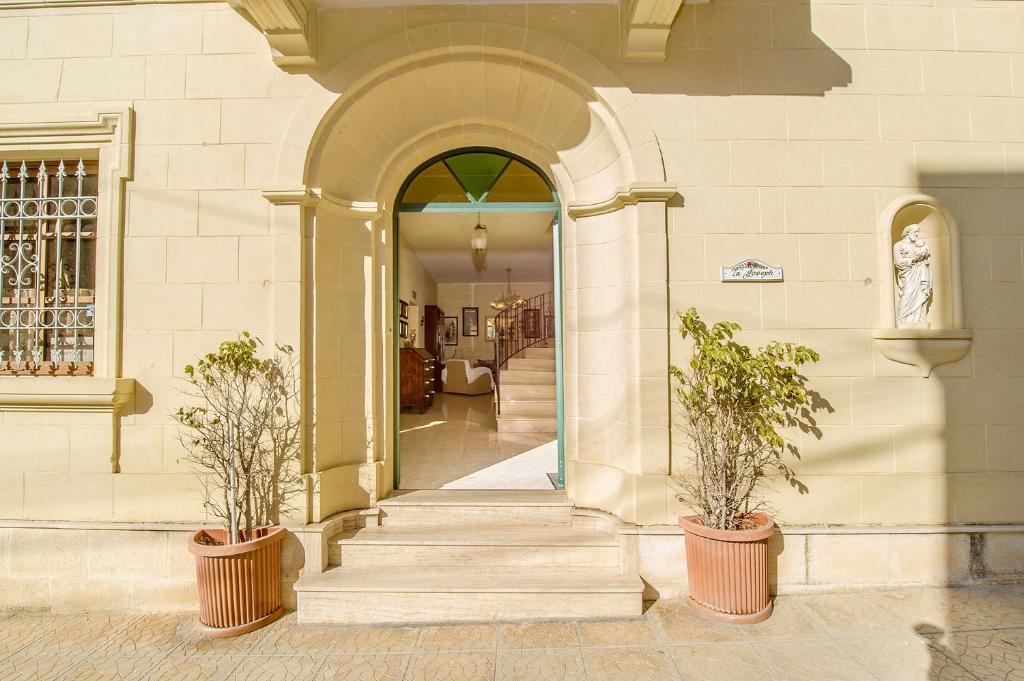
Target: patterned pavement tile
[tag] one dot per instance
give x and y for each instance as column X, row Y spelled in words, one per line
column 628, row 664
column 550, row 664
column 153, row 634
column 924, row 611
column 276, row 668
column 853, row 616
column 814, row 660
column 991, row 608
column 904, row 659
column 21, row 632
column 364, row 668
column 788, row 622
column 678, row 623
column 940, row 610
column 38, row 667
column 458, row 637
column 720, row 662
column 291, row 638
column 82, row 634
column 997, row 654
column 375, row 640
column 151, row 668
column 539, row 635
column 451, row 666
column 617, row 633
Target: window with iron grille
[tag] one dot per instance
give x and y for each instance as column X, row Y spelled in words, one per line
column 47, row 267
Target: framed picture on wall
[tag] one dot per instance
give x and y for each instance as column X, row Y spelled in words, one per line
column 531, row 323
column 489, row 329
column 470, row 321
column 451, row 330
column 403, row 310
column 403, row 328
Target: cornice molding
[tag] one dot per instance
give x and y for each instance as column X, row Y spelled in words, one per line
column 635, row 193
column 314, row 197
column 86, row 128
column 66, row 393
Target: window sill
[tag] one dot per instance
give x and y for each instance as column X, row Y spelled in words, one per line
column 65, row 393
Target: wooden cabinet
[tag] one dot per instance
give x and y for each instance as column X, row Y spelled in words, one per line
column 416, row 378
column 433, row 340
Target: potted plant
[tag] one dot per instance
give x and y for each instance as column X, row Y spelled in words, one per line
column 733, row 402
column 242, row 434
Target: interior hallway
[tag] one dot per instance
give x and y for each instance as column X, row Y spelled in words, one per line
column 455, row 444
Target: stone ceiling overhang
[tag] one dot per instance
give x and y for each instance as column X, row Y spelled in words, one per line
column 290, row 27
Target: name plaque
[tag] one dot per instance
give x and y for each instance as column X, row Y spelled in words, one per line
column 752, row 270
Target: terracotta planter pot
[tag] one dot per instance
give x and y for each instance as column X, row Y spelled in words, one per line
column 239, row 584
column 727, row 570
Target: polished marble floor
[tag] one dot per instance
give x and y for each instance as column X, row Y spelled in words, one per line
column 925, row 634
column 456, row 445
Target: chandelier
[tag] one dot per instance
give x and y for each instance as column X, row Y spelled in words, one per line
column 509, row 298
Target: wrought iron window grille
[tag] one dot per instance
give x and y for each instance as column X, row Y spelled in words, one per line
column 47, row 268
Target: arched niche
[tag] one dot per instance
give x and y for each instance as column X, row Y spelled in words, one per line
column 942, row 339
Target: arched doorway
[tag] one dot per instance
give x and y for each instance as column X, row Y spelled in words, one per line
column 463, row 222
column 353, row 143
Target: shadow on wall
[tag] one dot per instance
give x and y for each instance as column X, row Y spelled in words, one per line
column 754, row 48
column 983, row 394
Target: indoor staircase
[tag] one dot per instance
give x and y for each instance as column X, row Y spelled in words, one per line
column 527, row 392
column 467, row 555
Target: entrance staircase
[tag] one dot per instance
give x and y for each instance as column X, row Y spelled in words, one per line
column 527, row 392
column 467, row 555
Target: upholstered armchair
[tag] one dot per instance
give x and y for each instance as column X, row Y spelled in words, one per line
column 459, row 378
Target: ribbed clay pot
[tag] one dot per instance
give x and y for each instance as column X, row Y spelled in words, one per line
column 727, row 570
column 239, row 584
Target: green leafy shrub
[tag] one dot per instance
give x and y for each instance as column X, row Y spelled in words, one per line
column 243, row 433
column 733, row 402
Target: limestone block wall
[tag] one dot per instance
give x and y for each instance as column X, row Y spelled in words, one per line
column 199, row 250
column 74, row 567
column 795, row 166
column 788, row 129
column 808, row 559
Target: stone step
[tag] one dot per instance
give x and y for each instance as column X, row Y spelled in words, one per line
column 519, row 364
column 519, row 377
column 479, row 545
column 475, row 507
column 528, row 391
column 519, row 423
column 369, row 595
column 540, row 408
column 538, row 353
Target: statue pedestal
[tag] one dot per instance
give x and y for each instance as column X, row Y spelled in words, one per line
column 923, row 348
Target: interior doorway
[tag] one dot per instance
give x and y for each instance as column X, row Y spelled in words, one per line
column 478, row 325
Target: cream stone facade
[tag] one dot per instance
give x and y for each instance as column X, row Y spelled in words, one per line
column 249, row 172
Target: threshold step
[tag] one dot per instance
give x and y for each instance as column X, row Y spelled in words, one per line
column 459, row 508
column 349, row 595
column 482, row 546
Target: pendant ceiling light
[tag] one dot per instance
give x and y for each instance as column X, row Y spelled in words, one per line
column 479, row 239
column 510, row 297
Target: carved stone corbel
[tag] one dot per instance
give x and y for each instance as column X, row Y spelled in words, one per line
column 290, row 27
column 646, row 25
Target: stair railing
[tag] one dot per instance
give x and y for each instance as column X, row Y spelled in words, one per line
column 519, row 327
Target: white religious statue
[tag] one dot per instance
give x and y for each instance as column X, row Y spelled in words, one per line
column 912, row 260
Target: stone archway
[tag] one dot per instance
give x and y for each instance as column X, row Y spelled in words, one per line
column 347, row 155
